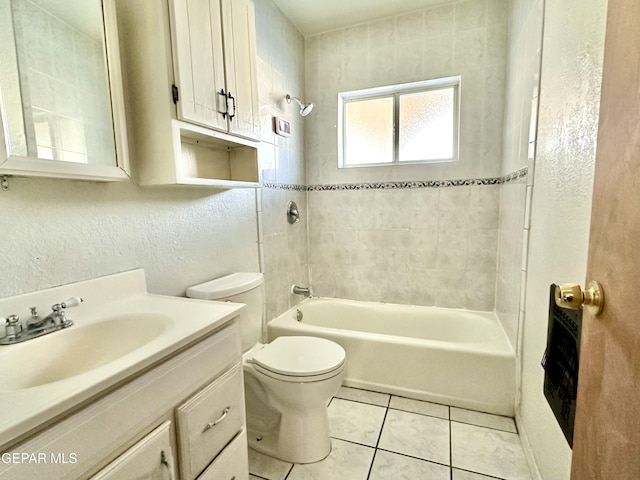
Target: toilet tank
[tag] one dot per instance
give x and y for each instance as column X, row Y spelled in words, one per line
column 241, row 287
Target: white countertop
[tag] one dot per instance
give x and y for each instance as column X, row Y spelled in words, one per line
column 184, row 322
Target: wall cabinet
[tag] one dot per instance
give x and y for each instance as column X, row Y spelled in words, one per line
column 153, row 422
column 214, row 51
column 191, row 91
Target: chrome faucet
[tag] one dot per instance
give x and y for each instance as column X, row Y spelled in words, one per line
column 296, row 290
column 37, row 326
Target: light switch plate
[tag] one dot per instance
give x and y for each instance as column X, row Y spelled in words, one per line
column 282, row 127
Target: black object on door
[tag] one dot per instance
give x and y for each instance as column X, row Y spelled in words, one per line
column 561, row 362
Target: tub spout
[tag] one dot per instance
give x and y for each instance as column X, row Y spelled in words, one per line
column 296, row 290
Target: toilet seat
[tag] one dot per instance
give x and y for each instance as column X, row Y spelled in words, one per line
column 298, row 358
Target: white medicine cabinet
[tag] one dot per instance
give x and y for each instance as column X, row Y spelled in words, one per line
column 61, row 98
column 191, row 91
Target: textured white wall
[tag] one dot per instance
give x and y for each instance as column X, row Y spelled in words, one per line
column 58, row 231
column 568, row 120
column 55, row 231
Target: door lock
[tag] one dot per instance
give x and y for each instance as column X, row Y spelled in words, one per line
column 570, row 295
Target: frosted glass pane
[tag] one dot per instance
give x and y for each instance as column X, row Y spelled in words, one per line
column 368, row 131
column 426, row 125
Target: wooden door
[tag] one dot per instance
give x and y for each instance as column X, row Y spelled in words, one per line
column 241, row 68
column 198, row 58
column 607, row 428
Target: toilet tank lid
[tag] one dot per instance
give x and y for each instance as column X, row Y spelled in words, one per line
column 226, row 286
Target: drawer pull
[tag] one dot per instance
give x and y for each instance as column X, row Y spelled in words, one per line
column 165, row 463
column 213, row 424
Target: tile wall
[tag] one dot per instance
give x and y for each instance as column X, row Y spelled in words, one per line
column 426, row 246
column 283, row 247
column 465, row 38
column 523, row 77
column 418, row 246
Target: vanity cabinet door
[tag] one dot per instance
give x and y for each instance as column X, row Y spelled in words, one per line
column 209, row 421
column 199, row 62
column 151, row 458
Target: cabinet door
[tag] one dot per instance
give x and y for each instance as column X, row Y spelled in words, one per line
column 150, row 458
column 241, row 66
column 198, row 61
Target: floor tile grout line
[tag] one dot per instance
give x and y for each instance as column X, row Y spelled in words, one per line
column 430, row 416
column 484, row 426
column 477, row 473
column 414, row 457
column 289, row 472
column 375, row 451
column 363, row 401
column 449, row 407
column 450, row 447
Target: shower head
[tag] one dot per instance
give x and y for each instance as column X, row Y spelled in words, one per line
column 305, row 108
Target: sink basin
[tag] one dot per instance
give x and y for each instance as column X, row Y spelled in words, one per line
column 76, row 350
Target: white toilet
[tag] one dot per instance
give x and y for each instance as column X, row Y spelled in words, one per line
column 288, row 382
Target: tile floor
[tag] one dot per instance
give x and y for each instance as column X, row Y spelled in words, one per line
column 376, row 436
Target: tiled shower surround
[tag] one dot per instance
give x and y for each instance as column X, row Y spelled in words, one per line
column 424, row 241
column 418, row 246
column 415, row 242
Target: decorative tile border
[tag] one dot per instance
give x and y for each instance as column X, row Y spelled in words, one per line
column 515, row 176
column 285, row 186
column 405, row 184
column 512, row 177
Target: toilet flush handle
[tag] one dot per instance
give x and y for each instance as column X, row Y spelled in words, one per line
column 209, row 426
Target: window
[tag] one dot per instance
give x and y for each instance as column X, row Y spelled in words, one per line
column 399, row 124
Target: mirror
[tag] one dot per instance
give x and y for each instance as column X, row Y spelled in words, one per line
column 61, row 90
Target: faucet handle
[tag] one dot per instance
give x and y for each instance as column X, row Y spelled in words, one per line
column 68, row 303
column 12, row 325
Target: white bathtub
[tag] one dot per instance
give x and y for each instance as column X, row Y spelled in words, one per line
column 455, row 357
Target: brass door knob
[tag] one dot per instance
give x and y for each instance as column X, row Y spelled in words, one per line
column 570, row 295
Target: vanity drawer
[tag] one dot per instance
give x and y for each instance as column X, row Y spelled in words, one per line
column 151, row 457
column 208, row 422
column 232, row 463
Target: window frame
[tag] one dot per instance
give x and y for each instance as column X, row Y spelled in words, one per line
column 395, row 92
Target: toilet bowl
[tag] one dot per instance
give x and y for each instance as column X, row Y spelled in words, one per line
column 297, row 376
column 288, row 382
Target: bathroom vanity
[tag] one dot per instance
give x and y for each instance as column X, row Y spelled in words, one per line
column 141, row 386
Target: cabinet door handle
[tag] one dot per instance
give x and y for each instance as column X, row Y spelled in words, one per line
column 216, row 422
column 233, row 101
column 225, row 95
column 165, row 463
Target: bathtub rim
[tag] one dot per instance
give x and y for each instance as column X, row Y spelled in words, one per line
column 475, row 347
